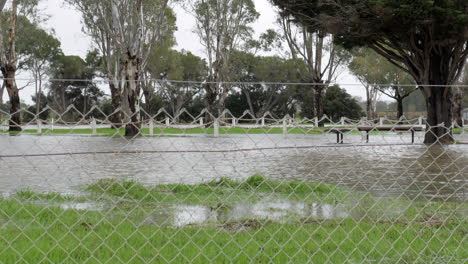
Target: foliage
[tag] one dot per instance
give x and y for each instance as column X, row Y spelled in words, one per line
column 338, row 103
column 78, row 91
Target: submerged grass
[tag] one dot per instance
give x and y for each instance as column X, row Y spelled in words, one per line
column 32, row 233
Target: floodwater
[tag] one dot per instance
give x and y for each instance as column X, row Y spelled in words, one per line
column 388, row 165
column 278, row 211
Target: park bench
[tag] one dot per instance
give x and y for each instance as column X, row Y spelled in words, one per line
column 340, row 131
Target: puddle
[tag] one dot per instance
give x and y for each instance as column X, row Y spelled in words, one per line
column 280, row 211
column 90, row 206
column 82, row 206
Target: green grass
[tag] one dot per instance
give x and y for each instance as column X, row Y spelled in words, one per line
column 423, row 232
column 33, row 234
column 219, row 191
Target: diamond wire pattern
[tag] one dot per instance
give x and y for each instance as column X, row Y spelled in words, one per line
column 400, row 202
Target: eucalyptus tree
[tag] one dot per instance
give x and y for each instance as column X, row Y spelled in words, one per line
column 427, row 39
column 125, row 32
column 174, row 69
column 8, row 52
column 38, row 55
column 315, row 47
column 379, row 75
column 222, row 26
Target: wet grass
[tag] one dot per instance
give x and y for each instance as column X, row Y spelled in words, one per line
column 223, row 190
column 423, row 232
column 48, row 234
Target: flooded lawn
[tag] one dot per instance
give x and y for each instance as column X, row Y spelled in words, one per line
column 388, row 165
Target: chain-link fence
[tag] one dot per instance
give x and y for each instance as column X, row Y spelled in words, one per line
column 224, row 187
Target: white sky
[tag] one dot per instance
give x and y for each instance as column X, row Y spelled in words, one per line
column 66, row 23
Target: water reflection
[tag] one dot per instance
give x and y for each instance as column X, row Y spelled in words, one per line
column 280, row 211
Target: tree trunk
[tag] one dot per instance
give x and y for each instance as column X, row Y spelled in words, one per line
column 115, row 117
column 13, row 93
column 2, row 89
column 318, row 103
column 399, row 107
column 439, row 115
column 132, row 86
column 38, row 98
column 210, row 103
column 458, row 106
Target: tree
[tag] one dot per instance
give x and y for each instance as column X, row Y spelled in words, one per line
column 386, row 78
column 262, row 80
column 173, row 66
column 316, row 49
column 38, row 55
column 427, row 39
column 222, row 26
column 79, row 91
column 126, row 31
column 8, row 52
column 459, row 96
column 338, row 103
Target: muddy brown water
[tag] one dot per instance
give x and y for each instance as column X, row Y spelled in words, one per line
column 388, row 165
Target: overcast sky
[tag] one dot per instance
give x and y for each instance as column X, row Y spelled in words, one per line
column 66, row 23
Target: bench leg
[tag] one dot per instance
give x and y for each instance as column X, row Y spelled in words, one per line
column 412, row 136
column 341, row 138
column 367, row 136
column 337, row 138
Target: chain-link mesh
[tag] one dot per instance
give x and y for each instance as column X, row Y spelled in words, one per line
column 218, row 187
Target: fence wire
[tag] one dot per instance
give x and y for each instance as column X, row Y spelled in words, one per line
column 202, row 187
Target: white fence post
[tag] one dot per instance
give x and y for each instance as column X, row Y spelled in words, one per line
column 93, row 125
column 420, row 120
column 343, row 121
column 201, row 121
column 381, row 121
column 285, row 128
column 263, row 121
column 216, row 127
column 168, row 122
column 233, row 121
column 39, row 127
column 5, row 125
column 52, row 124
column 151, row 127
column 316, row 121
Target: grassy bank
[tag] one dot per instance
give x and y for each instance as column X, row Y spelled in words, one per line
column 35, row 228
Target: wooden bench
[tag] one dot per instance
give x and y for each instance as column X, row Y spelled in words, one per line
column 340, row 131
